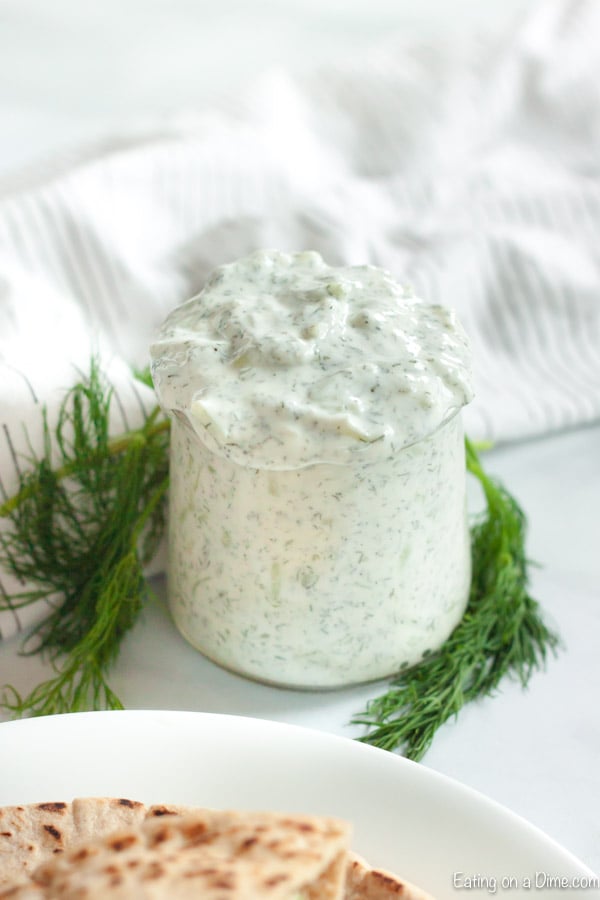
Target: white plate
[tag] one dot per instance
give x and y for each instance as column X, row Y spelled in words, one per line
column 407, row 818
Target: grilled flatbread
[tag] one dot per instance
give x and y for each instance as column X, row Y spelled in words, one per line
column 366, row 883
column 82, row 841
column 215, row 855
column 33, row 833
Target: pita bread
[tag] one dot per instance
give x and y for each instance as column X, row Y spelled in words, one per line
column 33, row 833
column 366, row 883
column 213, row 854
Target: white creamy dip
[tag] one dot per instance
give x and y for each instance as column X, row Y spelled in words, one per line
column 318, row 532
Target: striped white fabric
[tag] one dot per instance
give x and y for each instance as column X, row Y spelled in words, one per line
column 470, row 172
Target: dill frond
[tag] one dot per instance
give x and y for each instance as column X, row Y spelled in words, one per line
column 81, row 532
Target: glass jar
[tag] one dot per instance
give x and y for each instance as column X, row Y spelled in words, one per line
column 317, row 529
column 322, row 576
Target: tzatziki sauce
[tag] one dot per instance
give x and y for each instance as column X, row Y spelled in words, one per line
column 317, row 527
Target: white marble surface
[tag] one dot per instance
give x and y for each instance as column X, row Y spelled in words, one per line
column 72, row 73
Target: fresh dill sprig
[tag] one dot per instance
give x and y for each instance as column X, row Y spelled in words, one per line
column 79, row 533
column 501, row 633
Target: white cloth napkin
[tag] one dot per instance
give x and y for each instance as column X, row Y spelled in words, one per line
column 471, row 172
